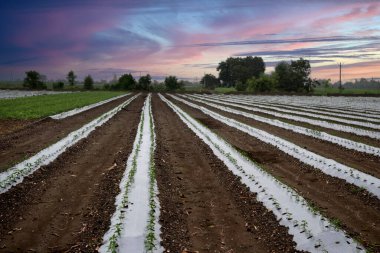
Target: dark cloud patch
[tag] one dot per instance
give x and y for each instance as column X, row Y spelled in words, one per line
column 287, row 41
column 361, row 51
column 202, row 65
column 274, row 63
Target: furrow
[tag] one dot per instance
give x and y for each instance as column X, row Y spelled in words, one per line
column 328, row 166
column 312, row 232
column 16, row 174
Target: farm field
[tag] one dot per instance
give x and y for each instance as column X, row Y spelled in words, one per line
column 193, row 173
column 18, row 112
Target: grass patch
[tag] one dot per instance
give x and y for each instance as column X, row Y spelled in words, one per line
column 46, row 105
column 225, row 89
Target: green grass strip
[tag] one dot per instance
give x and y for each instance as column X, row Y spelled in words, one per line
column 45, row 105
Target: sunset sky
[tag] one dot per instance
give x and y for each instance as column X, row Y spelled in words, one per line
column 186, row 38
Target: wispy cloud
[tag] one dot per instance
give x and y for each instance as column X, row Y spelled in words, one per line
column 286, row 41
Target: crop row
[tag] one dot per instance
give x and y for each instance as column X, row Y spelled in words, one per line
column 348, row 119
column 134, row 225
column 84, row 108
column 321, row 123
column 353, row 115
column 354, row 104
column 361, row 147
column 16, row 174
column 328, row 166
column 312, row 232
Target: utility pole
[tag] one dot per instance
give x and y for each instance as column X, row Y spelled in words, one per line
column 340, row 75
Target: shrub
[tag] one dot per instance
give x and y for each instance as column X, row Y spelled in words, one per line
column 88, row 83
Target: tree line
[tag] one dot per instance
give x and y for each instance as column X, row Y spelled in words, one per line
column 34, row 80
column 248, row 74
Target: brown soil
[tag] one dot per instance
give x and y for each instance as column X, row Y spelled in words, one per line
column 350, row 136
column 321, row 111
column 358, row 160
column 357, row 211
column 67, row 205
column 27, row 141
column 8, row 126
column 204, row 207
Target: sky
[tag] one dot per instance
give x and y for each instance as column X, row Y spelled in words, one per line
column 186, row 38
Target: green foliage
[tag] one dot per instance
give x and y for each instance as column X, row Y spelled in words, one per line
column 240, row 86
column 144, row 82
column 157, row 86
column 264, row 83
column 238, row 69
column 58, row 85
column 71, row 77
column 88, row 83
column 225, row 89
column 294, row 76
column 33, row 80
column 126, row 82
column 106, row 86
column 45, row 105
column 172, row 83
column 209, row 81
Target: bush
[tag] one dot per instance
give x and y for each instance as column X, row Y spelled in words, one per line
column 240, row 86
column 33, row 80
column 88, row 83
column 58, row 85
column 106, row 86
column 171, row 83
column 264, row 83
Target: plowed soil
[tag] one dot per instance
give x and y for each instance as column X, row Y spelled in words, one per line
column 204, row 206
column 349, row 136
column 67, row 205
column 355, row 210
column 29, row 140
column 358, row 160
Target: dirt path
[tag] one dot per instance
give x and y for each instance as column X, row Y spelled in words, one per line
column 67, row 205
column 358, row 160
column 204, row 206
column 25, row 142
column 356, row 211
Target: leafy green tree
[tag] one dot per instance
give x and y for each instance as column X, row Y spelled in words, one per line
column 144, row 82
column 88, row 83
column 301, row 70
column 265, row 83
column 126, row 82
column 294, row 76
column 71, row 77
column 209, row 81
column 238, row 69
column 33, row 80
column 240, row 86
column 171, row 83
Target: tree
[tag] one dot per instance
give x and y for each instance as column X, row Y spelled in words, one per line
column 33, row 80
column 210, row 81
column 126, row 82
column 264, row 83
column 284, row 75
column 88, row 83
column 144, row 82
column 301, row 70
column 294, row 76
column 71, row 77
column 238, row 69
column 171, row 83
